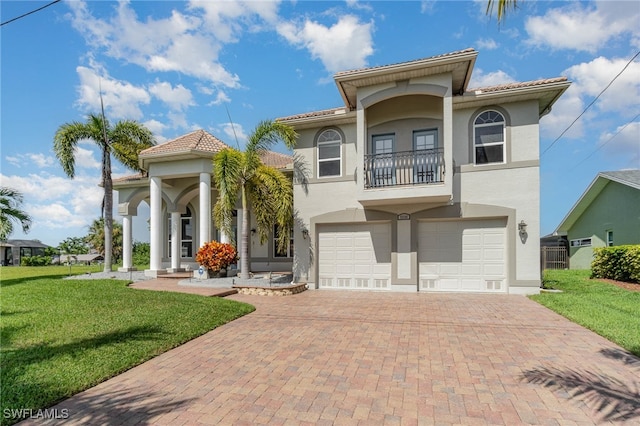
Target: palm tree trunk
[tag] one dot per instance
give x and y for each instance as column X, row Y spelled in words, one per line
column 108, row 211
column 244, row 239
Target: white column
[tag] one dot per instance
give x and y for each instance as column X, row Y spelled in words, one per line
column 176, row 240
column 127, row 249
column 205, row 208
column 155, row 219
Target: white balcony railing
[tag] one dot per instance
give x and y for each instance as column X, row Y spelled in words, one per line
column 404, row 168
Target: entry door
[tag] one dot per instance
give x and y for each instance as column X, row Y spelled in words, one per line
column 383, row 164
column 425, row 143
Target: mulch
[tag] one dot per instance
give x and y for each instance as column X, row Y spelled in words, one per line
column 622, row 284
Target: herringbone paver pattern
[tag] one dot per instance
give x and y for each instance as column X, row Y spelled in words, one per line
column 363, row 358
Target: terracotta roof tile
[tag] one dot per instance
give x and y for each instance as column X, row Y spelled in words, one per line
column 510, row 86
column 332, row 111
column 276, row 159
column 130, row 178
column 198, row 140
column 444, row 55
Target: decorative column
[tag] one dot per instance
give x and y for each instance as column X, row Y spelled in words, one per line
column 176, row 241
column 155, row 219
column 127, row 242
column 205, row 208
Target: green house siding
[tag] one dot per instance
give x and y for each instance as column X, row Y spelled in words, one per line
column 617, row 209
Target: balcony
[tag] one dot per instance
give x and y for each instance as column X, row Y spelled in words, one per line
column 404, row 168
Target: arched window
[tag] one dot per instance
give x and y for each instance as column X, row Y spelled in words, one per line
column 489, row 138
column 329, row 153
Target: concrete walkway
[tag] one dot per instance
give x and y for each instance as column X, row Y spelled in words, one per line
column 366, row 358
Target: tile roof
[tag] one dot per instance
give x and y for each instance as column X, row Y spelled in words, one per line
column 444, row 55
column 519, row 85
column 277, row 160
column 332, row 111
column 130, row 178
column 198, row 140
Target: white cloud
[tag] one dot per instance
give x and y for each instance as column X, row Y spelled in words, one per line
column 234, row 131
column 156, row 127
column 587, row 28
column 487, row 44
column 495, row 78
column 345, row 45
column 590, row 78
column 568, row 107
column 85, row 159
column 178, row 43
column 178, row 97
column 31, row 159
column 624, row 140
column 121, row 99
column 221, row 97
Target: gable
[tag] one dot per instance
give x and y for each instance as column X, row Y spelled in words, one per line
column 624, row 182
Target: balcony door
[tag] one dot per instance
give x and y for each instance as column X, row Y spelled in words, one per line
column 425, row 144
column 383, row 160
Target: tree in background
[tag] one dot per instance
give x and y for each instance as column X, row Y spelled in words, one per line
column 141, row 253
column 11, row 211
column 266, row 189
column 124, row 141
column 73, row 245
column 96, row 238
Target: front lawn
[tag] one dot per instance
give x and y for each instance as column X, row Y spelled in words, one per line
column 59, row 337
column 606, row 309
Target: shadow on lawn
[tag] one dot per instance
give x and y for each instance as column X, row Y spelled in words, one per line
column 616, row 400
column 118, row 407
column 42, row 352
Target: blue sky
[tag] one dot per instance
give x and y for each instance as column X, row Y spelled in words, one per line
column 180, row 66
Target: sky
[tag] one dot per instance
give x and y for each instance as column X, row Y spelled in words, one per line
column 225, row 65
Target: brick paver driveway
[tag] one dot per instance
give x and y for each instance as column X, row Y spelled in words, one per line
column 325, row 357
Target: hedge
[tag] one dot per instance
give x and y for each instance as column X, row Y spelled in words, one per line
column 620, row 263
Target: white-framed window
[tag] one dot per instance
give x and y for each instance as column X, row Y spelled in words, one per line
column 581, row 242
column 329, row 154
column 489, row 138
column 282, row 253
column 609, row 238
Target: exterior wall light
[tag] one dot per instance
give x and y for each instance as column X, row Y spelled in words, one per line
column 305, row 234
column 522, row 227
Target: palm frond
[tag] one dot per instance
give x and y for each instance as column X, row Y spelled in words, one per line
column 10, row 212
column 268, row 133
column 65, row 142
column 270, row 194
column 228, row 167
column 127, row 139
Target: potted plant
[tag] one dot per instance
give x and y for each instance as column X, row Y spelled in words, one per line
column 216, row 258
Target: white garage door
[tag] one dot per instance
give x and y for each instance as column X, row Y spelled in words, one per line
column 354, row 256
column 462, row 256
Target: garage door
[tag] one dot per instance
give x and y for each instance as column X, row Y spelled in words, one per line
column 462, row 256
column 354, row 256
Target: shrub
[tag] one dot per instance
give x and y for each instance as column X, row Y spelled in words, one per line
column 620, row 263
column 35, row 261
column 141, row 253
column 215, row 256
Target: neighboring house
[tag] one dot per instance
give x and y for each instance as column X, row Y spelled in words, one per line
column 607, row 214
column 14, row 250
column 418, row 183
column 179, row 190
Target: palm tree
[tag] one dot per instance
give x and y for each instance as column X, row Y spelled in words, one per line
column 10, row 211
column 95, row 238
column 503, row 7
column 124, row 141
column 267, row 190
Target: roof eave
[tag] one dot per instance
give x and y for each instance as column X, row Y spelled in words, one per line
column 342, row 79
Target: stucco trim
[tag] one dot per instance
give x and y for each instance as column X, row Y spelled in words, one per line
column 403, row 88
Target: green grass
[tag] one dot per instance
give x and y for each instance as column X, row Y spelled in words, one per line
column 606, row 309
column 59, row 337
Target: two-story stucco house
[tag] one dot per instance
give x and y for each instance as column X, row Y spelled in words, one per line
column 419, row 183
